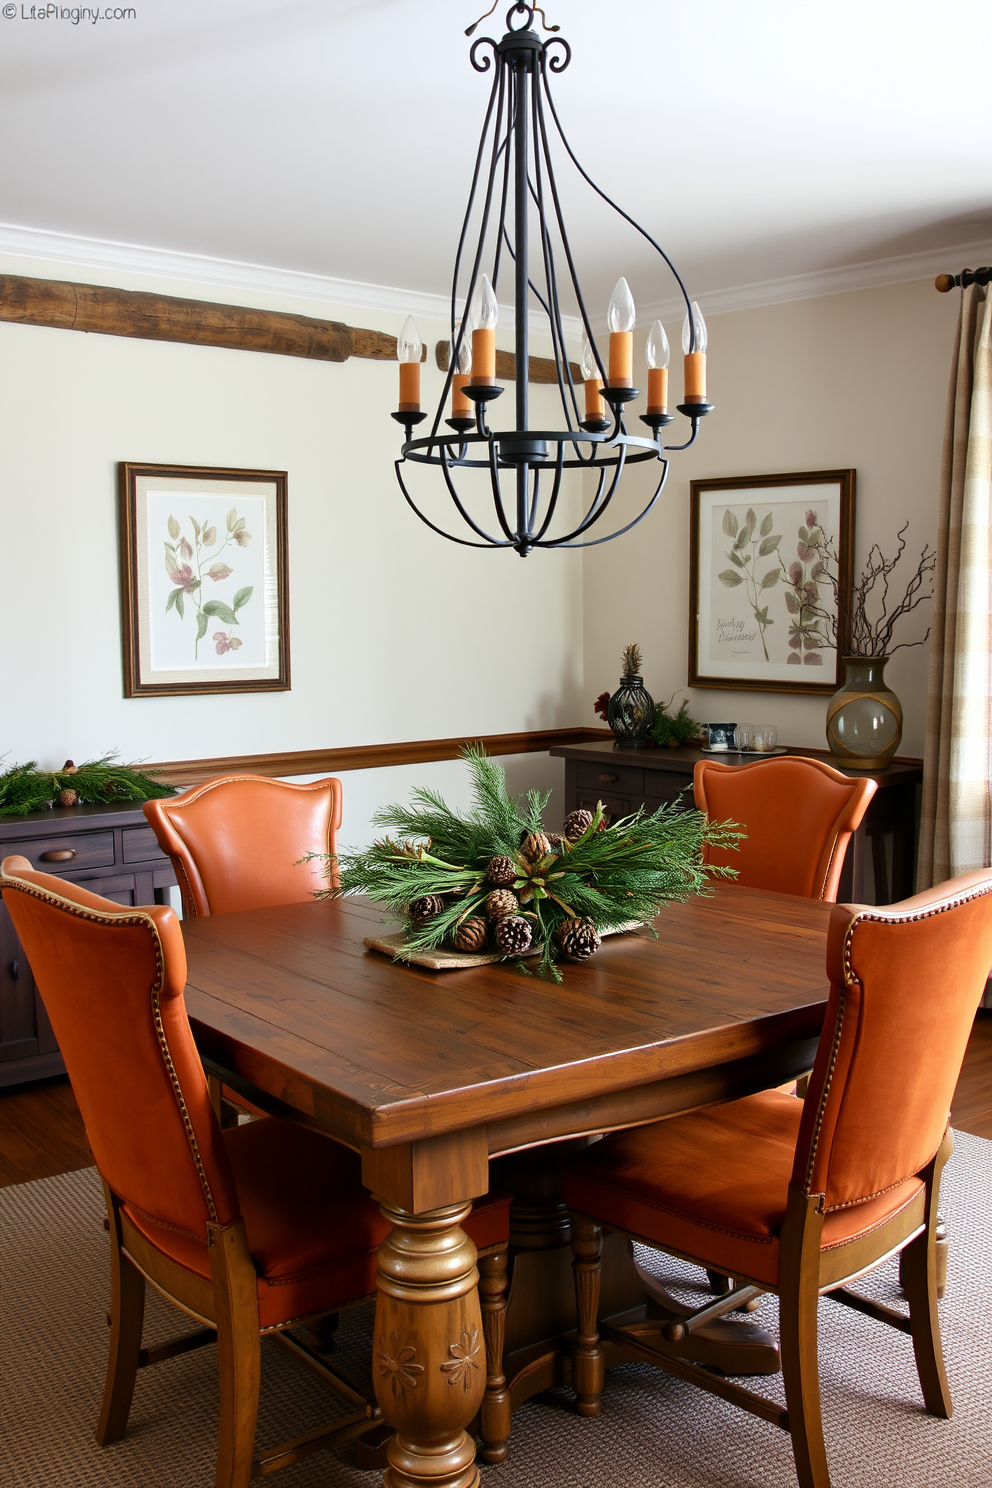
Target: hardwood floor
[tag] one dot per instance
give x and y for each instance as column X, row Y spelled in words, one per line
column 41, row 1133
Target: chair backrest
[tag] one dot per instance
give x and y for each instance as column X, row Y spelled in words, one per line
column 236, row 842
column 906, row 982
column 112, row 980
column 798, row 813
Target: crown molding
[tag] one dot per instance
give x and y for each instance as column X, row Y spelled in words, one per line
column 162, row 263
column 875, row 274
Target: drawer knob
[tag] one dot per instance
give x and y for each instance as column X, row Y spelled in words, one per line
column 58, row 855
column 607, row 779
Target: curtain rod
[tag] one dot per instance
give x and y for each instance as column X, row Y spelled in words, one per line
column 944, row 282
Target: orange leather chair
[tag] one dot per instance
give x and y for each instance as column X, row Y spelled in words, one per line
column 251, row 1231
column 803, row 1197
column 236, row 842
column 798, row 813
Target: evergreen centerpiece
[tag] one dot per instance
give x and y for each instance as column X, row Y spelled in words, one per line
column 497, row 880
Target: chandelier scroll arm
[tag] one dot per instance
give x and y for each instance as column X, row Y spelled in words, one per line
column 462, row 541
column 609, row 200
column 674, row 448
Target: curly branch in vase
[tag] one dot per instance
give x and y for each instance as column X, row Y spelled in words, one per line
column 180, row 558
column 871, row 634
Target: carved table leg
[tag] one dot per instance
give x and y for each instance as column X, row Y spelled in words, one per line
column 495, row 1424
column 429, row 1359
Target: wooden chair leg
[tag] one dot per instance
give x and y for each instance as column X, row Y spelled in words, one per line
column 236, row 1302
column 495, row 1412
column 587, row 1354
column 801, row 1377
column 127, row 1312
column 918, row 1273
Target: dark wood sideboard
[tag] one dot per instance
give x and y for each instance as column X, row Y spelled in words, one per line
column 624, row 779
column 110, row 849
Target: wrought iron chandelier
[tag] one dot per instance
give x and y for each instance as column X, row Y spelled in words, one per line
column 521, row 468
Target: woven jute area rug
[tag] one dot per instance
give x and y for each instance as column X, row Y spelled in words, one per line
column 654, row 1432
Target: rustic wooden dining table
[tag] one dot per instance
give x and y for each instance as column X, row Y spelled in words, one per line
column 431, row 1076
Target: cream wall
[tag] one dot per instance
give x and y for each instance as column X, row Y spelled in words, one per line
column 846, row 380
column 395, row 634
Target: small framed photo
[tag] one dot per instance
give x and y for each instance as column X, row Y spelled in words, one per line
column 204, row 580
column 770, row 558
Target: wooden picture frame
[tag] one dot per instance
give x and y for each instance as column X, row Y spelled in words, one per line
column 204, row 580
column 757, row 525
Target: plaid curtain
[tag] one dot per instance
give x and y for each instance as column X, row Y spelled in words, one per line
column 956, row 829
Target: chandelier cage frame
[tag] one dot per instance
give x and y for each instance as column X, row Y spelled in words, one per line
column 516, row 129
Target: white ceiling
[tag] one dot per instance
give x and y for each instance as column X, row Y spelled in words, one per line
column 757, row 139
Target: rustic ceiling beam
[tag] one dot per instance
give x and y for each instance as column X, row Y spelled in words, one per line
column 542, row 369
column 155, row 317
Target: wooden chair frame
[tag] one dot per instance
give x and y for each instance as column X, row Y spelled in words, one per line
column 805, row 1274
column 226, row 1307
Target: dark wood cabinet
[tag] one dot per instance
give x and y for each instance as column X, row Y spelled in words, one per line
column 110, row 849
column 624, row 779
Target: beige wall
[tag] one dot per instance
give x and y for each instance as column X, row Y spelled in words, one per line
column 395, row 634
column 847, row 380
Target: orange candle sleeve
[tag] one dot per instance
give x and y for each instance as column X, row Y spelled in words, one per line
column 657, row 390
column 483, row 357
column 621, row 359
column 695, row 377
column 461, row 406
column 594, row 402
column 409, row 387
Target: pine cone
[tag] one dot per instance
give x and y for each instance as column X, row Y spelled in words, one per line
column 575, row 823
column 470, row 935
column 425, row 908
column 559, row 844
column 578, row 939
column 502, row 871
column 513, row 935
column 68, row 798
column 501, row 902
column 535, row 846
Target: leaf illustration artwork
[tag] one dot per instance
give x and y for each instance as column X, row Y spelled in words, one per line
column 188, row 564
column 808, row 634
column 751, row 543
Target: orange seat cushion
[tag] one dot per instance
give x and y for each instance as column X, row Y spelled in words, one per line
column 713, row 1185
column 313, row 1230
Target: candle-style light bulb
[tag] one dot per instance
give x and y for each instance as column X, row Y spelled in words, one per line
column 694, row 384
column 621, row 314
column 461, row 366
column 700, row 324
column 620, row 319
column 485, row 314
column 409, row 350
column 593, row 382
column 657, row 353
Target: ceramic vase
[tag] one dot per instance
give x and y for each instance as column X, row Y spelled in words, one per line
column 864, row 717
column 630, row 714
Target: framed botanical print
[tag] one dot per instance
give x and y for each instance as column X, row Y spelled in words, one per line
column 770, row 581
column 204, row 580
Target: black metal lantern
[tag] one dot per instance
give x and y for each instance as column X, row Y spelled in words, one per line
column 521, row 468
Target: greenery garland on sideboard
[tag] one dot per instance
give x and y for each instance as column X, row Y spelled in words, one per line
column 25, row 788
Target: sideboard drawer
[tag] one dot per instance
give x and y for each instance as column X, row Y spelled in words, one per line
column 68, row 854
column 140, row 845
column 618, row 780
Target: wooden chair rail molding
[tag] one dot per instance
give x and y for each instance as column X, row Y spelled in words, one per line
column 369, row 756
column 155, row 317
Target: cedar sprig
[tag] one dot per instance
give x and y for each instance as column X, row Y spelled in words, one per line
column 25, row 788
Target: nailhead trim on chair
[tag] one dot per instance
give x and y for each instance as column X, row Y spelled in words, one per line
column 97, row 917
